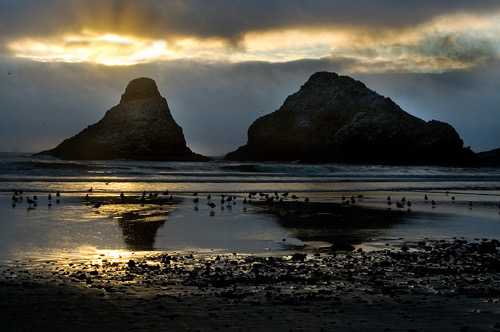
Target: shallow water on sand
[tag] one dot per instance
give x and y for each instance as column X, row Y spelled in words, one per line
column 73, row 228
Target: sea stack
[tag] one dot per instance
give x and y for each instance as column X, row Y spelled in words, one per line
column 140, row 127
column 335, row 118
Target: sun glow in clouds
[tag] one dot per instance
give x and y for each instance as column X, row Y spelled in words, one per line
column 443, row 43
column 107, row 49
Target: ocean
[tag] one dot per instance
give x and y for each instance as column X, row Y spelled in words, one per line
column 72, row 227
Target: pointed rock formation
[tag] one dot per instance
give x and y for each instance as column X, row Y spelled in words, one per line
column 335, row 118
column 140, row 127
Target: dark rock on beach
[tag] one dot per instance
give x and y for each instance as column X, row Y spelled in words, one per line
column 452, row 285
column 140, row 127
column 335, row 118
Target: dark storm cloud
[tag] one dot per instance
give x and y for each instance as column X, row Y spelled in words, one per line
column 226, row 19
column 456, row 46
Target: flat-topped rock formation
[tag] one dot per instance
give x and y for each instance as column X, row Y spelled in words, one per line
column 335, row 118
column 140, row 127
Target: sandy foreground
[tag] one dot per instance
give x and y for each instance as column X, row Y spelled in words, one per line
column 423, row 286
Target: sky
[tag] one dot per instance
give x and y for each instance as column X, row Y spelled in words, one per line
column 221, row 64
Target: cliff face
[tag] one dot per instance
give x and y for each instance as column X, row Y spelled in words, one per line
column 140, row 127
column 338, row 119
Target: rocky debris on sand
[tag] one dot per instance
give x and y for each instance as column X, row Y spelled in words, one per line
column 457, row 268
column 445, row 283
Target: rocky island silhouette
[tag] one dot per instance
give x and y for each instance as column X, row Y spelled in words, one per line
column 332, row 118
column 335, row 118
column 140, row 127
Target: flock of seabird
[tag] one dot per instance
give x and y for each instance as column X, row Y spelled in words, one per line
column 226, row 200
column 17, row 197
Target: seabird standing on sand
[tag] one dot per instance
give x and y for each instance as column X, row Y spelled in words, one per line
column 30, row 201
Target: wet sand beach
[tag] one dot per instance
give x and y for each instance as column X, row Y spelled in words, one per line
column 169, row 261
column 449, row 286
column 334, row 278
